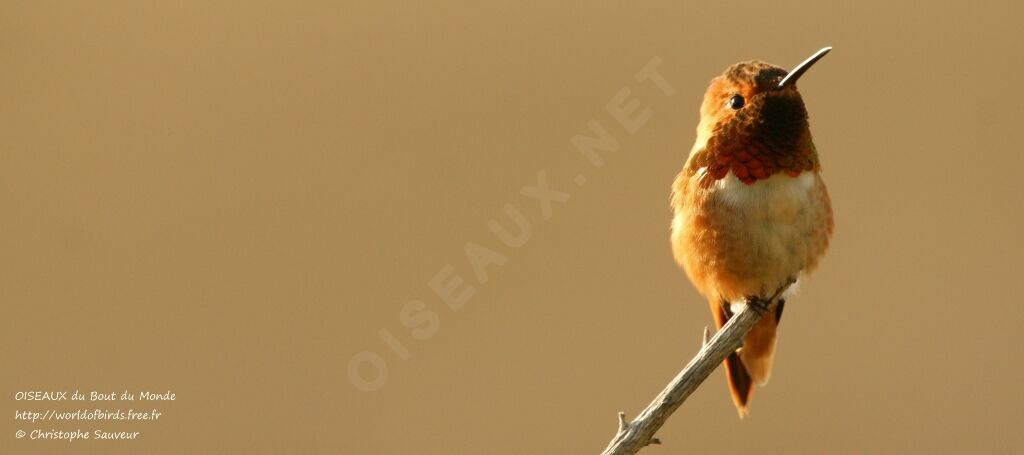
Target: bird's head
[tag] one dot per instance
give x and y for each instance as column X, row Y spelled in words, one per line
column 754, row 123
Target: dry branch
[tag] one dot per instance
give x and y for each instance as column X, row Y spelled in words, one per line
column 634, row 435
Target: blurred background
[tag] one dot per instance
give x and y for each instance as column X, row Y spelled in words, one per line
column 247, row 205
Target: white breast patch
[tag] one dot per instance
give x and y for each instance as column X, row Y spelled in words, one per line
column 773, row 191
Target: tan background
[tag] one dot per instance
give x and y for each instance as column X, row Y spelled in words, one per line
column 229, row 201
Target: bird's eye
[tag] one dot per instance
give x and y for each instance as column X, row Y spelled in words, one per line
column 735, row 102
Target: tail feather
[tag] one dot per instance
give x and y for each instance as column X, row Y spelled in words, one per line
column 752, row 363
column 741, row 386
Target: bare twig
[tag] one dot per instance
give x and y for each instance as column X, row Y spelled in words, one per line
column 634, row 435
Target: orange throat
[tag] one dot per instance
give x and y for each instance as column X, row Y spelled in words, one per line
column 752, row 159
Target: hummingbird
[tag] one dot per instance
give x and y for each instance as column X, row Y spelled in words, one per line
column 751, row 214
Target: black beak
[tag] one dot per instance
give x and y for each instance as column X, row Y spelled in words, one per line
column 800, row 69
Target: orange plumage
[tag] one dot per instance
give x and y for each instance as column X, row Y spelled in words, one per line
column 751, row 211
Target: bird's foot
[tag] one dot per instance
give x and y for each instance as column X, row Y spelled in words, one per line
column 759, row 304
